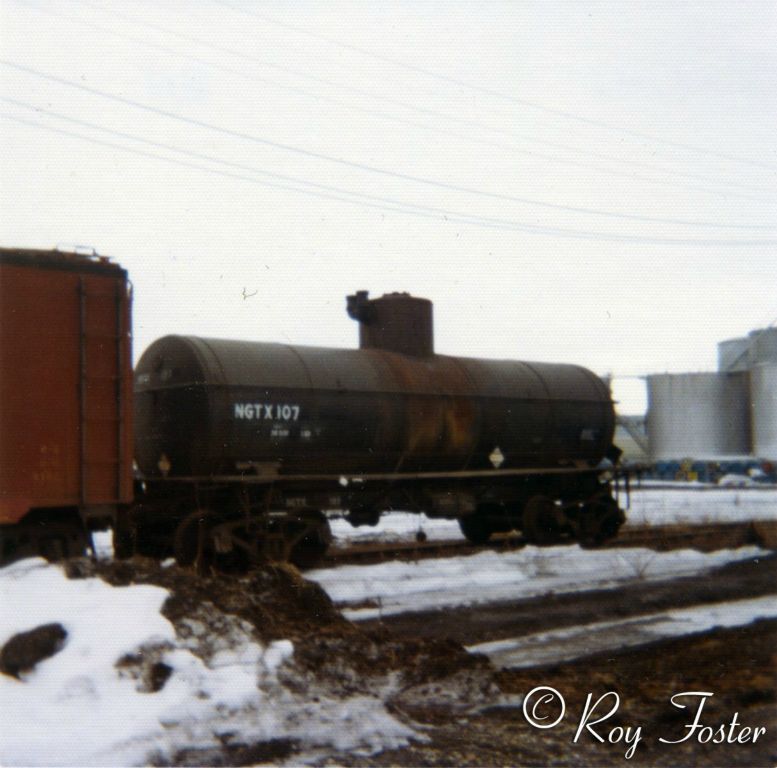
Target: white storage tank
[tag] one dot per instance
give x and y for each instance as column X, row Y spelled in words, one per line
column 754, row 349
column 765, row 346
column 763, row 393
column 698, row 414
column 734, row 354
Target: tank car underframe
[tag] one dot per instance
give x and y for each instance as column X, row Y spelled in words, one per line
column 228, row 525
column 233, row 522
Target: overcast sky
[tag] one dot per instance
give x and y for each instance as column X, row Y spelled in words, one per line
column 589, row 182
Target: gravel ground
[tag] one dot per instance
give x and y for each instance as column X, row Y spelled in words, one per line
column 736, row 665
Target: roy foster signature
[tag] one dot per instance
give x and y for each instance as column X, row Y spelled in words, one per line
column 545, row 707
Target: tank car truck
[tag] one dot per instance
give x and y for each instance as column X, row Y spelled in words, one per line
column 65, row 400
column 245, row 447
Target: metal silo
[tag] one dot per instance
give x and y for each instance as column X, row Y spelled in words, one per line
column 763, row 393
column 765, row 346
column 698, row 415
column 734, row 354
column 754, row 349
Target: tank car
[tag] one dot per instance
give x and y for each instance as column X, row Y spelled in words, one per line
column 244, row 447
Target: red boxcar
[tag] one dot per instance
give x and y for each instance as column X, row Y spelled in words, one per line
column 65, row 398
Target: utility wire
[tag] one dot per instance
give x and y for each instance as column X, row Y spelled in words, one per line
column 396, row 102
column 410, row 209
column 212, row 159
column 377, row 170
column 495, row 93
column 239, row 166
column 282, row 68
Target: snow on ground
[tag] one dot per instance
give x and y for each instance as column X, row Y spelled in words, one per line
column 687, row 503
column 78, row 708
column 700, row 505
column 372, row 591
column 103, row 544
column 395, row 527
column 575, row 642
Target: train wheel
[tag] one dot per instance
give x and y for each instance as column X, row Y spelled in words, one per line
column 64, row 540
column 602, row 521
column 52, row 536
column 475, row 528
column 311, row 547
column 192, row 544
column 541, row 523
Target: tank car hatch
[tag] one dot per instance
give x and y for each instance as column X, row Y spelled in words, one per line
column 396, row 322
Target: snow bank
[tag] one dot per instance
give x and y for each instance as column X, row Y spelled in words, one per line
column 705, row 504
column 575, row 642
column 373, row 591
column 80, row 708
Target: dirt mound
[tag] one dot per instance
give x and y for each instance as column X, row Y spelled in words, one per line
column 275, row 600
column 417, row 679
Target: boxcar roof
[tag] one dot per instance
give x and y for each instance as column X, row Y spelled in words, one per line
column 61, row 260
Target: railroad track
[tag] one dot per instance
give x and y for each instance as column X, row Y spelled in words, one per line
column 706, row 537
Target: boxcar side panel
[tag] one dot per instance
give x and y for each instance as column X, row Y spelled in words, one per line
column 65, row 384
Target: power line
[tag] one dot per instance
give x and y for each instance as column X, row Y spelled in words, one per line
column 210, row 158
column 228, row 163
column 410, row 209
column 495, row 93
column 406, row 105
column 185, row 164
column 279, row 67
column 375, row 169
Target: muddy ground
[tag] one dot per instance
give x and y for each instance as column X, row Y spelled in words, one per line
column 466, row 712
column 736, row 665
column 482, row 623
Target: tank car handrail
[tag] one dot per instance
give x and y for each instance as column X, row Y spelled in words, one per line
column 142, row 387
column 383, row 476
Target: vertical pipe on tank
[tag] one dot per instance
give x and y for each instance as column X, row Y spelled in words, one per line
column 397, row 322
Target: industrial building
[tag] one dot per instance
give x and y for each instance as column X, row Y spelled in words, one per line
column 729, row 414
